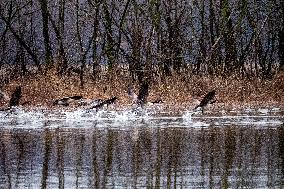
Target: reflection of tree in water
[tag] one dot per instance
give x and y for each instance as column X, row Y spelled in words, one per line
column 108, row 156
column 230, row 149
column 147, row 141
column 158, row 160
column 167, row 152
column 272, row 157
column 79, row 153
column 281, row 152
column 60, row 144
column 136, row 158
column 4, row 164
column 21, row 142
column 174, row 152
column 213, row 153
column 96, row 170
column 47, row 141
column 214, row 157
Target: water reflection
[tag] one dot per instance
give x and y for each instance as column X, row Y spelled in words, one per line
column 143, row 157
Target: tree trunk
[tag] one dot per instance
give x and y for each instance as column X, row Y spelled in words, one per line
column 63, row 62
column 281, row 38
column 109, row 48
column 96, row 63
column 45, row 31
column 229, row 39
column 212, row 63
column 20, row 40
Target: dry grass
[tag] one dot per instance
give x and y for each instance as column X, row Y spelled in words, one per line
column 178, row 90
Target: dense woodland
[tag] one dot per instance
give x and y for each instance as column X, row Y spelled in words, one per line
column 141, row 38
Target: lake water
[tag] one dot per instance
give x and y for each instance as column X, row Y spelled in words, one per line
column 126, row 149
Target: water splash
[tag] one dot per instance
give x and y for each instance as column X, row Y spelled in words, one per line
column 132, row 115
column 21, row 118
column 264, row 111
column 188, row 120
column 77, row 115
column 124, row 116
column 129, row 117
column 187, row 116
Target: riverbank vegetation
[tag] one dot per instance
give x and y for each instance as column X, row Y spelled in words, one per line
column 178, row 90
column 182, row 48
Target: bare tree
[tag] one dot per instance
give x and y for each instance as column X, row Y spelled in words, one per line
column 12, row 11
column 45, row 31
column 156, row 36
column 63, row 62
column 110, row 43
column 229, row 38
column 96, row 23
column 281, row 37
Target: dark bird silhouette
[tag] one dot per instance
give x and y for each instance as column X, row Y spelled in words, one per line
column 16, row 96
column 66, row 100
column 62, row 101
column 143, row 93
column 14, row 100
column 89, row 102
column 158, row 101
column 141, row 99
column 208, row 99
column 26, row 103
column 104, row 102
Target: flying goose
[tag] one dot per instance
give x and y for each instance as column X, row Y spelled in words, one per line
column 14, row 100
column 143, row 93
column 16, row 96
column 141, row 99
column 66, row 100
column 103, row 103
column 208, row 99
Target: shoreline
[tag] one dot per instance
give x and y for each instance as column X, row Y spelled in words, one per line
column 43, row 90
column 164, row 107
